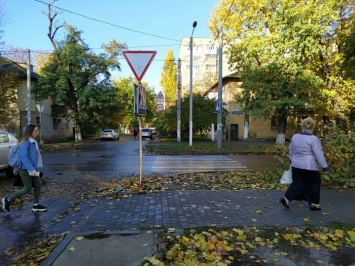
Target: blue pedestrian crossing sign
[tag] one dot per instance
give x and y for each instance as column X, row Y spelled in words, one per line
column 218, row 109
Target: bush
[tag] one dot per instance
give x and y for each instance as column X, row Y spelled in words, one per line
column 339, row 150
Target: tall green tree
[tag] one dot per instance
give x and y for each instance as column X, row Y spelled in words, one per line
column 98, row 106
column 124, row 90
column 71, row 70
column 168, row 79
column 277, row 53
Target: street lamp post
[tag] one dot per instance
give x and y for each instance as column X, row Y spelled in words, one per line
column 191, row 95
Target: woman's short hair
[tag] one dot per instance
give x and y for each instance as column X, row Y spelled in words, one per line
column 307, row 124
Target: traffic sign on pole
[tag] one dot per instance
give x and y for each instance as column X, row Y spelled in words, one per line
column 139, row 61
column 218, row 109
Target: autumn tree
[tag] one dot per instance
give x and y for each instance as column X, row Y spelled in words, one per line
column 207, row 81
column 71, row 70
column 9, row 82
column 278, row 54
column 342, row 75
column 168, row 79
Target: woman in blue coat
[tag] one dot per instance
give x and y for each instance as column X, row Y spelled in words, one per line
column 30, row 160
column 306, row 155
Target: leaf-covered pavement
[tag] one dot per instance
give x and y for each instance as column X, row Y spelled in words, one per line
column 234, row 246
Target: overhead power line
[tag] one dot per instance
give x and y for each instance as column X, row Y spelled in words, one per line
column 107, row 23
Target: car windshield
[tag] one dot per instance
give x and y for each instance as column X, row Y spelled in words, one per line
column 107, row 130
column 145, row 130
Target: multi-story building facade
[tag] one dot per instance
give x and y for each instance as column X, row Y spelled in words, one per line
column 204, row 64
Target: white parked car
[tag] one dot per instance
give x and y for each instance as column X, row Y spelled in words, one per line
column 147, row 133
column 7, row 142
column 109, row 134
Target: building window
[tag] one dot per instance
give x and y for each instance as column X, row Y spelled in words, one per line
column 210, row 67
column 211, row 56
column 210, row 47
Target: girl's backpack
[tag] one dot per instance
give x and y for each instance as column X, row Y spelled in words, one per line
column 14, row 158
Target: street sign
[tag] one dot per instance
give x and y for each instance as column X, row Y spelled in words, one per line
column 160, row 107
column 140, row 101
column 160, row 96
column 237, row 112
column 218, row 109
column 139, row 61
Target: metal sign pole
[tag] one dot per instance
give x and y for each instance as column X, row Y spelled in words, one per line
column 140, row 149
column 139, row 61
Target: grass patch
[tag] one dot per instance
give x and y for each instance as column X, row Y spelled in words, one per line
column 167, row 146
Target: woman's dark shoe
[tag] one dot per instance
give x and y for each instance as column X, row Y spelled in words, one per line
column 284, row 202
column 315, row 207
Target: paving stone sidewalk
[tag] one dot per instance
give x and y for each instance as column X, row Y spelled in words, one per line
column 188, row 209
column 175, row 209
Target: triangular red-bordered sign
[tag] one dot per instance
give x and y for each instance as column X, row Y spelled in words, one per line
column 139, row 61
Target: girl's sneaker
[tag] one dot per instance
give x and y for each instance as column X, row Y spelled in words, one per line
column 5, row 204
column 39, row 208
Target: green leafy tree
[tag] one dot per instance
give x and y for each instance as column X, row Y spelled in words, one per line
column 71, row 70
column 99, row 104
column 346, row 46
column 278, row 54
column 125, row 96
column 203, row 116
column 168, row 79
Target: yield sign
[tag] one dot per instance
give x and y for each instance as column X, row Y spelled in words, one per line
column 139, row 61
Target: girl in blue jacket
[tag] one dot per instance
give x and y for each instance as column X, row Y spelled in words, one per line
column 30, row 160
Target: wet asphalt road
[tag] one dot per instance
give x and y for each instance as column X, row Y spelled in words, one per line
column 112, row 159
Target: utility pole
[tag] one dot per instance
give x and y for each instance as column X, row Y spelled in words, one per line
column 178, row 135
column 29, row 98
column 191, row 93
column 219, row 114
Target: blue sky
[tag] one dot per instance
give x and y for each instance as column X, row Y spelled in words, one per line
column 25, row 26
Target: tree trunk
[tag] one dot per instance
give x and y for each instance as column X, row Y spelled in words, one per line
column 281, row 130
column 246, row 126
column 78, row 136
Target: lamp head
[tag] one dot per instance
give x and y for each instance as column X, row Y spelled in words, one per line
column 194, row 24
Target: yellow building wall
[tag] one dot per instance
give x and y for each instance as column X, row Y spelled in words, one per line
column 258, row 128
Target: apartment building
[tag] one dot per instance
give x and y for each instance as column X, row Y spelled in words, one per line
column 204, row 64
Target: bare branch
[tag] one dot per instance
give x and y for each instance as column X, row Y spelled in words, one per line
column 52, row 29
